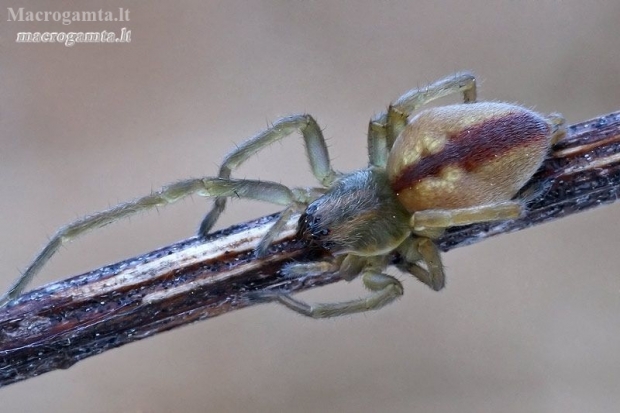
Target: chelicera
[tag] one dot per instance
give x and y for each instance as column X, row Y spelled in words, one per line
column 445, row 166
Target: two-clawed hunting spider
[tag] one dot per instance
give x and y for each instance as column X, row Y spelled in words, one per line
column 446, row 166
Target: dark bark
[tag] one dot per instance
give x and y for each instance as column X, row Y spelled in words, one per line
column 62, row 323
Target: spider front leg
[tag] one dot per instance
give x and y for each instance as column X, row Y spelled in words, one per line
column 384, row 289
column 316, row 150
column 302, row 197
column 212, row 187
column 385, row 127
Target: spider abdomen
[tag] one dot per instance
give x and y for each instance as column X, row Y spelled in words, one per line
column 465, row 155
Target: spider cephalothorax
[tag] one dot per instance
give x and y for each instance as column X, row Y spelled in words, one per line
column 447, row 166
column 357, row 214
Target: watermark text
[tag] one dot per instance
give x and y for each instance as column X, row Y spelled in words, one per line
column 71, row 38
column 67, row 17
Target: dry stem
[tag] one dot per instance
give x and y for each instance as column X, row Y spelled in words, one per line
column 64, row 322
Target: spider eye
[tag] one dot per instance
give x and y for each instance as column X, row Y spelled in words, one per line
column 311, row 209
column 318, row 234
column 311, row 227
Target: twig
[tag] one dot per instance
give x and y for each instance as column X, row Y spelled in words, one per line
column 62, row 323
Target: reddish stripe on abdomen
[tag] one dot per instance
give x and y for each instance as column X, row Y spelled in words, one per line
column 474, row 146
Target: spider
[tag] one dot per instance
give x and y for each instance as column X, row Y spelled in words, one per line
column 446, row 166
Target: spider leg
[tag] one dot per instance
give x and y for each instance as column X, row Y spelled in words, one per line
column 258, row 190
column 432, row 219
column 385, row 127
column 316, row 150
column 302, row 196
column 416, row 249
column 384, row 289
column 430, row 224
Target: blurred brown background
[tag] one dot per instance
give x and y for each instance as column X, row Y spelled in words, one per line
column 528, row 322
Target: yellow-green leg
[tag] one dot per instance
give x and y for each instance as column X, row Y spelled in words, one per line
column 385, row 127
column 431, row 219
column 211, row 187
column 384, row 289
column 422, row 249
column 316, row 150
